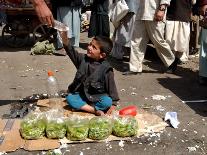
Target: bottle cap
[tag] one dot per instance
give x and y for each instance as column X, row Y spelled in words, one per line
column 50, row 73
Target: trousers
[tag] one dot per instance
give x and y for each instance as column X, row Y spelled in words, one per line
column 76, row 101
column 203, row 54
column 143, row 32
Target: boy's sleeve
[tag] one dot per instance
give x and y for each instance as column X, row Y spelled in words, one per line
column 75, row 57
column 111, row 87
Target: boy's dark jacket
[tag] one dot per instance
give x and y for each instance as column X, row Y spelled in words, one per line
column 92, row 78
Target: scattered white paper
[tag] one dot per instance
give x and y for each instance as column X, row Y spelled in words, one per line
column 121, row 143
column 160, row 108
column 172, row 117
column 1, row 153
column 158, row 97
column 57, row 151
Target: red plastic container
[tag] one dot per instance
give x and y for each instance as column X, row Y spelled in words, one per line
column 129, row 110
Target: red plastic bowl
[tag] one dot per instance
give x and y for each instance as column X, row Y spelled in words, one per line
column 129, row 110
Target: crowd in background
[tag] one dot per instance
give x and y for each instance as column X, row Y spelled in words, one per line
column 166, row 23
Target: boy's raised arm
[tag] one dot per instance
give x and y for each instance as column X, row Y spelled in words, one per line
column 75, row 57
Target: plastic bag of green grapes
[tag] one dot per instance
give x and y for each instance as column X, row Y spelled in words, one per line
column 100, row 128
column 55, row 127
column 125, row 126
column 33, row 126
column 77, row 128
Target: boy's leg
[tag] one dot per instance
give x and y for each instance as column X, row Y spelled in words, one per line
column 77, row 103
column 103, row 104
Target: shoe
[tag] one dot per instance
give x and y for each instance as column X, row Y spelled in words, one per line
column 172, row 68
column 60, row 52
column 180, row 62
column 202, row 80
column 130, row 73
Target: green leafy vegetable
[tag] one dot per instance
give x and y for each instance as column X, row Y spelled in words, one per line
column 100, row 128
column 125, row 126
column 55, row 129
column 32, row 129
column 77, row 130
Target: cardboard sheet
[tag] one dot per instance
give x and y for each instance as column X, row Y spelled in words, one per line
column 147, row 122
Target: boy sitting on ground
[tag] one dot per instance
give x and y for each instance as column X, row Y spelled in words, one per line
column 93, row 88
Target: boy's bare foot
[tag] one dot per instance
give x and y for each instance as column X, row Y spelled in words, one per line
column 99, row 113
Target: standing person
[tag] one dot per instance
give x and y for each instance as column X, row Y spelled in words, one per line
column 123, row 33
column 149, row 25
column 99, row 20
column 93, row 88
column 69, row 13
column 177, row 31
column 203, row 48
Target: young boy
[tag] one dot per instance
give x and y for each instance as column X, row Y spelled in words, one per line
column 93, row 88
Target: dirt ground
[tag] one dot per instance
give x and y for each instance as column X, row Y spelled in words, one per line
column 22, row 74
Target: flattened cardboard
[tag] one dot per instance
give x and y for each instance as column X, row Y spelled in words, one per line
column 41, row 144
column 12, row 140
column 147, row 122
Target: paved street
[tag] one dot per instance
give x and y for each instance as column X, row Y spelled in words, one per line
column 22, row 74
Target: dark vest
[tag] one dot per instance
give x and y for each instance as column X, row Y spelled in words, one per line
column 94, row 84
column 179, row 10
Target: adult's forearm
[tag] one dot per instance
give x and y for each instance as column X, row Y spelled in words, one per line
column 37, row 2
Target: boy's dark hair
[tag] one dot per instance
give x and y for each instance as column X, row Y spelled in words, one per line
column 105, row 44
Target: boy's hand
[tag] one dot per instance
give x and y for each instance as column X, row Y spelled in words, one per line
column 64, row 36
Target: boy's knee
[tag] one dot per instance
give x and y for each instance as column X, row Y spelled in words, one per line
column 106, row 101
column 73, row 102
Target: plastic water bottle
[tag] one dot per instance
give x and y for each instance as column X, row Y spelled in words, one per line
column 60, row 26
column 52, row 85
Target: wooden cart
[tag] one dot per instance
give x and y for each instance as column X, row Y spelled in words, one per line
column 22, row 25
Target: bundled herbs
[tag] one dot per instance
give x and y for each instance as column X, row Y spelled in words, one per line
column 33, row 126
column 55, row 128
column 77, row 129
column 125, row 126
column 100, row 128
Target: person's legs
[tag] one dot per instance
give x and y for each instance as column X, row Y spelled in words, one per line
column 104, row 103
column 75, row 25
column 203, row 58
column 138, row 46
column 156, row 33
column 76, row 102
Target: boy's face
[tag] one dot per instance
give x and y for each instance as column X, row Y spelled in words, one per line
column 93, row 50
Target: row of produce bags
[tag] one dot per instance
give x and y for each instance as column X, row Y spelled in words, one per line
column 54, row 125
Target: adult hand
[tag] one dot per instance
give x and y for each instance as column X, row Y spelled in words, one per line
column 159, row 15
column 203, row 10
column 43, row 12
